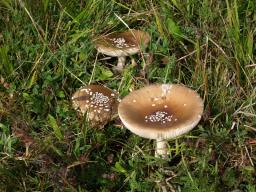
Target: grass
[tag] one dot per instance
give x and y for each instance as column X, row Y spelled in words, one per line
column 46, row 54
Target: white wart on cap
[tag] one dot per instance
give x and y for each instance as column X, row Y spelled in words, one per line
column 99, row 102
column 161, row 111
column 122, row 44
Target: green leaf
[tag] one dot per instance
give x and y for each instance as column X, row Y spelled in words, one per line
column 83, row 56
column 26, row 96
column 120, row 168
column 45, row 4
column 174, row 29
column 61, row 94
column 4, row 128
column 32, row 80
column 56, row 129
column 176, row 4
column 103, row 73
column 5, row 62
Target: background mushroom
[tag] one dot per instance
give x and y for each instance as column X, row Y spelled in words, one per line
column 99, row 102
column 122, row 44
column 161, row 112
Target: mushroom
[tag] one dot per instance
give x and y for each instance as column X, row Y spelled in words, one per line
column 99, row 102
column 122, row 44
column 160, row 112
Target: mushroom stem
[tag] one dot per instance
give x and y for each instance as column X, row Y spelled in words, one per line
column 120, row 64
column 27, row 149
column 161, row 148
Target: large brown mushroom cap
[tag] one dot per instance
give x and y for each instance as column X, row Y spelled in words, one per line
column 99, row 102
column 161, row 111
column 122, row 44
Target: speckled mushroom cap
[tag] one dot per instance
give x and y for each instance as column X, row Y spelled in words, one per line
column 100, row 102
column 161, row 111
column 122, row 43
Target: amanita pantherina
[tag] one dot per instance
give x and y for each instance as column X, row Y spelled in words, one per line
column 99, row 102
column 160, row 112
column 122, row 44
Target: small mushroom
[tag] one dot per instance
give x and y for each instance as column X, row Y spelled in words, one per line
column 122, row 44
column 99, row 102
column 160, row 112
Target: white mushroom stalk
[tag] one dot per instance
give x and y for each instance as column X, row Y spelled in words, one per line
column 161, row 112
column 120, row 64
column 121, row 45
column 161, row 148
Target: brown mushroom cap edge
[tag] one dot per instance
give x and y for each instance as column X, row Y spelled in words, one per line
column 161, row 111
